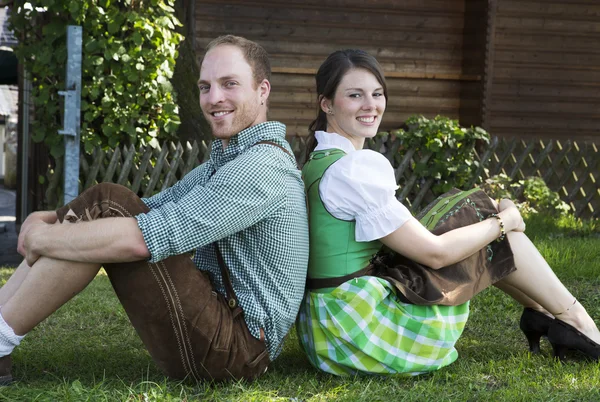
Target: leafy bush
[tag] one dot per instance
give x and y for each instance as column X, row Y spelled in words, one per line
column 531, row 195
column 129, row 52
column 452, row 162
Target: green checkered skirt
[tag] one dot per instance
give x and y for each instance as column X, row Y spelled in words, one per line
column 363, row 327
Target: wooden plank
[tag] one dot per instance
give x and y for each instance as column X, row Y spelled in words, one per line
column 388, row 74
column 564, row 149
column 510, row 146
column 546, row 24
column 410, row 29
column 384, row 6
column 404, row 164
column 489, row 65
column 566, row 108
column 416, row 203
column 587, row 204
column 95, row 168
column 541, row 72
column 170, row 178
column 535, row 91
column 400, row 101
column 592, row 166
column 192, row 160
column 363, row 15
column 145, row 162
column 112, row 166
column 558, row 58
column 586, row 10
column 162, row 157
column 541, row 158
column 425, row 87
column 533, row 40
column 536, row 121
column 84, row 165
column 127, row 165
column 484, row 160
column 408, row 186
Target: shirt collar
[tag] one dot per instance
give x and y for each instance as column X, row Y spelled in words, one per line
column 267, row 131
column 327, row 140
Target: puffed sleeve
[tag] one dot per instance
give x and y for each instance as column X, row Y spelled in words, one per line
column 361, row 186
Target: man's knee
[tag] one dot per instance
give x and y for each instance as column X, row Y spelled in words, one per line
column 104, row 200
column 110, row 188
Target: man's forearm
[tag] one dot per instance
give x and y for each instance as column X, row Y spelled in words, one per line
column 100, row 241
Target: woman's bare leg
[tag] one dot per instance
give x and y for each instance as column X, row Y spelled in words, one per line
column 521, row 297
column 536, row 280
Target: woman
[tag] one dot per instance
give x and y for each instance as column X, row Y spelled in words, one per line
column 402, row 312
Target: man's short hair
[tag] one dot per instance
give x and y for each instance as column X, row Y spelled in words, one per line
column 256, row 56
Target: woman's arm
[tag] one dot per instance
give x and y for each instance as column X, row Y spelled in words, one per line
column 414, row 241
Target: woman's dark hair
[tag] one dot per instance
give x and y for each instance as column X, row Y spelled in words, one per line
column 330, row 75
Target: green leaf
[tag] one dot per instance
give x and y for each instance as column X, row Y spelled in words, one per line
column 74, row 7
column 137, row 38
column 57, row 150
column 91, row 45
column 113, row 27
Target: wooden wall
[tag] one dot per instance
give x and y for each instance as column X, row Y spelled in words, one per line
column 421, row 46
column 546, row 69
column 525, row 68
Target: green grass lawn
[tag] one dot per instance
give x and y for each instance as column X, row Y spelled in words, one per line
column 88, row 351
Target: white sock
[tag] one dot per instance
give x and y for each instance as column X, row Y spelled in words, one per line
column 8, row 338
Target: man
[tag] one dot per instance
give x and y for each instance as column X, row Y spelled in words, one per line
column 222, row 315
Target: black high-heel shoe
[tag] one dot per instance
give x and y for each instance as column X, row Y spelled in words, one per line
column 534, row 325
column 563, row 336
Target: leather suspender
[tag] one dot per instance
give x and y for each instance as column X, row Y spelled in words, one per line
column 280, row 147
column 232, row 300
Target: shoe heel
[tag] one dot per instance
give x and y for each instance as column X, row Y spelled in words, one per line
column 534, row 325
column 533, row 338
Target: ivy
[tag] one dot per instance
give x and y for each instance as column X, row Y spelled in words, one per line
column 129, row 52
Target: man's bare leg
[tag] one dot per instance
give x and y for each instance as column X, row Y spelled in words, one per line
column 47, row 286
column 14, row 282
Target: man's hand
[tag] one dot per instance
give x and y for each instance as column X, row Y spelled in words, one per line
column 508, row 207
column 34, row 229
column 48, row 217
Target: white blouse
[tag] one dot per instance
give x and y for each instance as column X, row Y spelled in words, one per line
column 361, row 186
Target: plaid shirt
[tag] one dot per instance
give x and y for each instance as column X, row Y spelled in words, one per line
column 250, row 199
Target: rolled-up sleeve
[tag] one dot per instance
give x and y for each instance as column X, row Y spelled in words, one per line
column 237, row 196
column 361, row 186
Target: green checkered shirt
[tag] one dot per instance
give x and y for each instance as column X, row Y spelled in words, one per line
column 250, row 199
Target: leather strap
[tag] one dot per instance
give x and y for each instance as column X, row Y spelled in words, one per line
column 278, row 146
column 232, row 300
column 320, row 283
